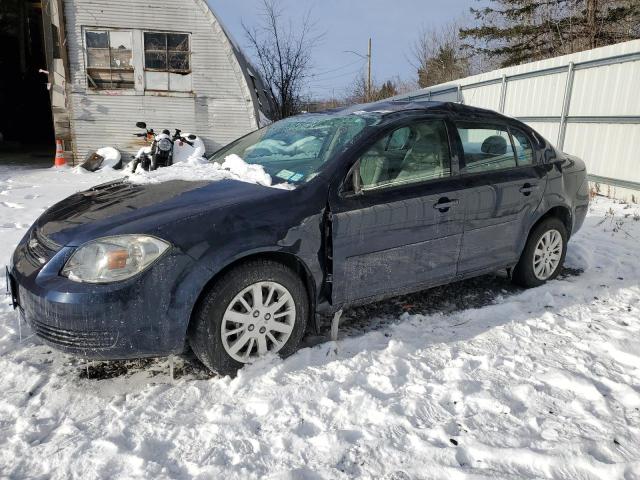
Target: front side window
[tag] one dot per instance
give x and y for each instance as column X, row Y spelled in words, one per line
column 485, row 148
column 109, row 59
column 524, row 151
column 411, row 154
column 167, row 52
column 294, row 150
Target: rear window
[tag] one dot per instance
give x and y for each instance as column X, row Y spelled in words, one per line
column 486, row 148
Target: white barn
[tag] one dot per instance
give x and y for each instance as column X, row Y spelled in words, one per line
column 168, row 63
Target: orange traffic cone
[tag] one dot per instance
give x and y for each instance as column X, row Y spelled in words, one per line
column 59, row 160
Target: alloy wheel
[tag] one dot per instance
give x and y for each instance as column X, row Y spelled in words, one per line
column 547, row 254
column 258, row 320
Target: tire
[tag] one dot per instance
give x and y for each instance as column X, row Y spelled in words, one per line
column 524, row 273
column 215, row 310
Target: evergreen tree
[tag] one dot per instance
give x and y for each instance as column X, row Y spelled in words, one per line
column 519, row 31
column 358, row 92
column 386, row 90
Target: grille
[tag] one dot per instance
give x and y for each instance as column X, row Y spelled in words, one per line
column 75, row 340
column 40, row 249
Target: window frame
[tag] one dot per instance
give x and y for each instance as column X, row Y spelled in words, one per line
column 166, row 51
column 534, row 155
column 352, row 182
column 91, row 84
column 484, row 124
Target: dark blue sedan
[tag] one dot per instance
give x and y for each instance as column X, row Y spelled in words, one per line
column 389, row 198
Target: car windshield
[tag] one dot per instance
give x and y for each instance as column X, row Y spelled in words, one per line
column 294, row 150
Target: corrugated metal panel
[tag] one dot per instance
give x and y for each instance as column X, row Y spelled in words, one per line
column 602, row 122
column 546, row 129
column 445, row 97
column 608, row 90
column 220, row 108
column 535, row 96
column 608, row 148
column 483, row 97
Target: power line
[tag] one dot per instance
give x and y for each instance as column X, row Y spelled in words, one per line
column 340, row 76
column 336, row 69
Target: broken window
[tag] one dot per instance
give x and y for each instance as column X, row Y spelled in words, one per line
column 167, row 52
column 109, row 59
column 55, row 41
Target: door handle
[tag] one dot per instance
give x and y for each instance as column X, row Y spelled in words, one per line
column 527, row 188
column 444, row 204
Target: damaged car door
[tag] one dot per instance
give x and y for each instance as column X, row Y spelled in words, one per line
column 397, row 221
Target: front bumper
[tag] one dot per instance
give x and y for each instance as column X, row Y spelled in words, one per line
column 138, row 317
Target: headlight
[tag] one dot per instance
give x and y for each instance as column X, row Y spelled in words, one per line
column 110, row 259
column 164, row 144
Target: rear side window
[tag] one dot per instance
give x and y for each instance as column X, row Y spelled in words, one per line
column 524, row 151
column 485, row 148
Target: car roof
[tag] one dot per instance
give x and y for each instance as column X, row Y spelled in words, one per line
column 394, row 108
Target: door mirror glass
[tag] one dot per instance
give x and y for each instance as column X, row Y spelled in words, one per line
column 141, row 125
column 411, row 154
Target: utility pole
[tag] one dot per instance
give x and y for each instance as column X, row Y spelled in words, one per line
column 369, row 75
column 368, row 59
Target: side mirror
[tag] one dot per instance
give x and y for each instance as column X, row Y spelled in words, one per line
column 192, row 137
column 141, row 125
column 557, row 162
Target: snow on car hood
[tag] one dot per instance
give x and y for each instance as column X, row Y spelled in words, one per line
column 200, row 169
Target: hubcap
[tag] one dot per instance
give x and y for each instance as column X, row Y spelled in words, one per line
column 546, row 256
column 258, row 320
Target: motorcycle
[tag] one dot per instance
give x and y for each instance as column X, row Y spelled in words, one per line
column 161, row 151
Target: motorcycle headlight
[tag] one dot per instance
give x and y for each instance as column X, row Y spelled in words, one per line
column 164, row 144
column 110, row 259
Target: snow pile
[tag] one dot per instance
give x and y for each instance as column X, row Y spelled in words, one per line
column 536, row 384
column 199, row 169
column 111, row 157
column 141, row 152
column 101, row 159
column 183, row 152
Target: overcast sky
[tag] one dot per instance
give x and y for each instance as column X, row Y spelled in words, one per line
column 393, row 26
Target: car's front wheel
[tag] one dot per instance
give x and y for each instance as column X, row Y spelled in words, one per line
column 257, row 308
column 543, row 255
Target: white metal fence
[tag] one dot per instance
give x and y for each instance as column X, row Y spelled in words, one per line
column 588, row 103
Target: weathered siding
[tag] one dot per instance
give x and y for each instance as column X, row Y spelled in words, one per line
column 219, row 109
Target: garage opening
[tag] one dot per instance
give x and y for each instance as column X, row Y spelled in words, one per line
column 26, row 122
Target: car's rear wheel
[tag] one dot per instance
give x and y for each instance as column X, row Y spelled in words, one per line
column 543, row 255
column 257, row 308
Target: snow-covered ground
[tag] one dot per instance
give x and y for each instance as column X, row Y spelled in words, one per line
column 475, row 380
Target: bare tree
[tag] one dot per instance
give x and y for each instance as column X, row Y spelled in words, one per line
column 357, row 92
column 283, row 54
column 438, row 56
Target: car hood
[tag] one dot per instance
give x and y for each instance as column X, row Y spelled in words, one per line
column 122, row 207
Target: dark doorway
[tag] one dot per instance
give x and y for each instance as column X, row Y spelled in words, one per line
column 26, row 123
